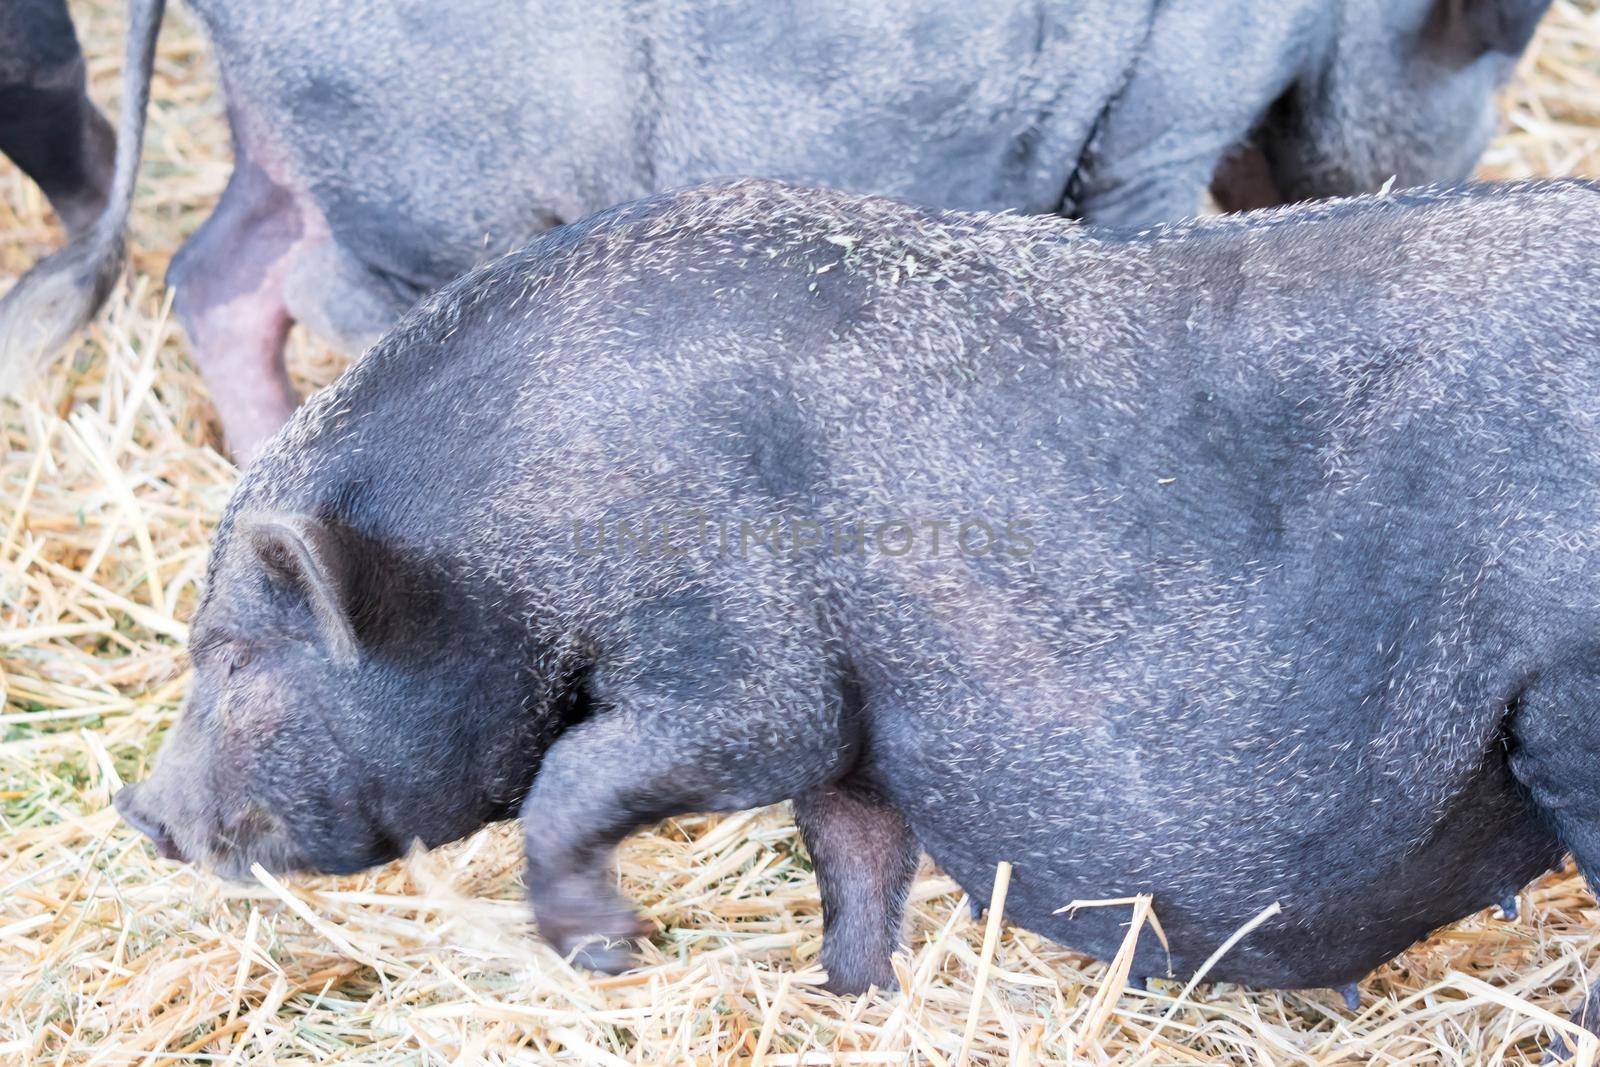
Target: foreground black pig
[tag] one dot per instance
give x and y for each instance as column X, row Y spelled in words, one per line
column 1247, row 561
column 384, row 146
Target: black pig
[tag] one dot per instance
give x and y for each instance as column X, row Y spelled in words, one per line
column 1245, row 561
column 383, row 147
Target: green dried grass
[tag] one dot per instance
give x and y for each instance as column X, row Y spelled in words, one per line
column 109, row 489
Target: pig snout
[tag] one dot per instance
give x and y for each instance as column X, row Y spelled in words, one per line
column 130, row 804
column 226, row 834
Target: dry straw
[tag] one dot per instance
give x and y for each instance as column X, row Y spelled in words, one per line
column 108, row 492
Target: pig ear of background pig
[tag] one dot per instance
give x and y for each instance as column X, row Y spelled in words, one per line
column 308, row 557
column 1470, row 28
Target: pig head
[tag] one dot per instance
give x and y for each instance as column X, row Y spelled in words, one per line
column 336, row 699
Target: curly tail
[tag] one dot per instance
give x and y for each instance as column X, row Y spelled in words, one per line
column 62, row 292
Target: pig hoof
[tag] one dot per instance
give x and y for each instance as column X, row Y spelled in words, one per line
column 1508, row 908
column 848, row 982
column 602, row 956
column 598, row 935
column 1138, row 982
column 976, row 907
column 609, row 951
column 1352, row 996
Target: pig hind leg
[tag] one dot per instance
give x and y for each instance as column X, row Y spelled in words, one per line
column 341, row 300
column 48, row 127
column 1146, row 198
column 229, row 279
column 865, row 856
column 1554, row 737
column 60, row 141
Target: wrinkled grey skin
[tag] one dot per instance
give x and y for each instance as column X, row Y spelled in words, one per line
column 1290, row 596
column 385, row 146
column 48, row 127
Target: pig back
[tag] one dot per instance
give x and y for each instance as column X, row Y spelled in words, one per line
column 435, row 135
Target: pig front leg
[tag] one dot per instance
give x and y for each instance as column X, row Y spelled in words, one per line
column 648, row 755
column 864, row 855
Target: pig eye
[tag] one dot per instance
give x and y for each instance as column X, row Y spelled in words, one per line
column 235, row 657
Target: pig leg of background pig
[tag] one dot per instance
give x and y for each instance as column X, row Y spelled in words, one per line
column 48, row 127
column 1555, row 742
column 229, row 279
column 341, row 301
column 60, row 141
column 645, row 758
column 1147, row 197
column 864, row 855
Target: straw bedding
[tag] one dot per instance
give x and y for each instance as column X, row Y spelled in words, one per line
column 109, row 488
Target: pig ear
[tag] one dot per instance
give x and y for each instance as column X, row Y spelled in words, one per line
column 1470, row 28
column 305, row 555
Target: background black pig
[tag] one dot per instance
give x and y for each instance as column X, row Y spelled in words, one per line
column 385, row 146
column 1288, row 593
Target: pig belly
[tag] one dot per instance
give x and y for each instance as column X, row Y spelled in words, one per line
column 1349, row 902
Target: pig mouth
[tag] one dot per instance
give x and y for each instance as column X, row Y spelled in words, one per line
column 229, row 852
column 165, row 844
column 236, row 865
column 365, row 843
